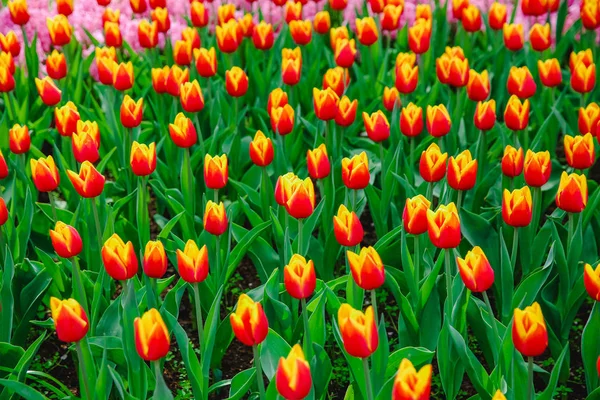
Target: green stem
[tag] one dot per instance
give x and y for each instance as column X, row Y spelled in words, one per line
column 188, row 184
column 300, row 224
column 199, row 321
column 97, row 222
column 354, row 201
column 216, row 196
column 307, row 341
column 411, row 160
column 2, row 245
column 449, row 300
column 459, row 200
column 11, row 114
column 494, row 324
column 381, row 156
column 369, row 389
column 78, row 289
column 515, row 246
column 259, row 374
column 429, row 194
column 481, row 156
column 53, row 205
column 84, row 375
column 374, row 304
column 530, row 388
column 417, row 258
column 571, row 230
column 220, row 274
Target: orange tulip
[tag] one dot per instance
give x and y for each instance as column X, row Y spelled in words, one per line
column 411, row 120
column 66, row 241
column 106, row 69
column 572, row 195
column 293, row 11
column 216, row 171
column 539, row 36
column 236, row 82
column 112, row 34
column 70, row 320
column 443, row 226
column 86, row 142
column 7, row 81
column 410, row 384
column 347, row 227
column 591, row 280
column 111, row 15
column 516, row 114
column 148, row 34
column 322, row 22
column 471, row 18
column 182, row 52
column 191, row 35
column 590, row 14
column 249, row 322
column 206, row 62
column 478, row 86
column 215, row 218
column 123, row 76
column 293, row 379
column 301, row 198
column 192, row 262
column 338, row 5
column 513, row 36
column 498, row 395
column 246, row 25
column 358, row 330
column 283, row 187
column 325, row 103
column 457, row 8
column 534, row 7
column 161, row 17
column 119, row 258
column 529, row 333
column 301, row 31
column 517, row 207
column 336, row 34
column 419, row 36
column 155, row 260
column 261, row 150
column 152, row 340
column 3, row 212
column 346, row 112
column 44, row 174
column 414, row 216
column 225, row 13
column 583, row 79
column 423, row 11
column 549, row 71
column 438, row 120
column 176, row 77
column 376, row 5
column 476, row 271
column 512, row 161
column 355, row 171
column 588, row 119
column 66, row 118
column 131, row 112
column 48, row 91
column 89, row 183
column 391, row 98
column 19, row 14
column 407, row 78
column 19, row 140
column 56, row 65
column 366, row 31
column 182, row 131
column 432, row 165
column 277, row 98
column 7, row 61
column 263, row 37
column 485, row 115
column 3, row 167
column 318, row 163
column 143, row 159
column 299, row 277
column 337, row 79
column 579, row 151
column 282, row 119
column 59, row 29
column 462, row 171
column 520, row 83
column 391, row 17
column 191, row 97
column 138, row 6
column 377, row 126
column 345, row 53
column 199, row 14
column 367, row 268
column 291, row 69
column 227, row 37
column 537, row 168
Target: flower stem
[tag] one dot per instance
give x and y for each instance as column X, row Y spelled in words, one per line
column 494, row 324
column 84, row 374
column 459, row 200
column 53, row 205
column 97, row 222
column 78, row 287
column 429, row 194
column 417, row 258
column 199, row 321
column 411, row 160
column 530, row 388
column 300, row 236
column 365, row 362
column 259, row 374
column 374, row 304
column 515, row 246
column 307, row 341
column 448, row 284
column 571, row 230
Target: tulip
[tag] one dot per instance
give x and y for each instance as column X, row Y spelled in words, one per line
column 513, row 36
column 152, row 340
column 293, row 379
column 346, row 112
column 443, row 226
column 206, row 62
column 154, row 4
column 215, row 218
column 411, row 120
column 263, row 37
column 478, row 87
column 112, row 34
column 249, row 322
column 376, row 5
column 182, row 131
column 423, row 11
column 19, row 14
column 155, row 260
column 123, row 76
column 3, row 212
column 391, row 98
column 457, row 8
column 438, row 120
column 161, row 17
column 512, row 161
column 358, row 330
column 471, row 18
column 191, row 35
column 410, row 384
column 584, row 56
column 176, row 77
column 66, row 240
column 119, row 258
column 338, row 5
column 103, row 3
column 89, row 183
column 282, row 119
column 86, row 142
column 293, row 11
column 498, row 395
column 106, row 52
column 516, row 114
column 322, row 22
column 246, row 24
column 366, row 31
column 529, row 333
column 111, row 15
column 337, row 79
column 419, row 36
column 261, row 150
column 391, row 17
column 299, row 277
column 579, row 151
column 537, row 168
column 325, row 103
column 591, row 281
column 277, row 98
column 291, row 69
column 345, row 53
column 355, row 171
column 572, row 195
column 301, row 198
column 517, row 207
column 19, row 141
column 9, row 43
column 583, row 79
column 3, row 167
column 590, row 14
column 131, row 112
column 588, row 119
column 534, row 7
column 236, row 82
column 66, row 118
column 462, row 171
column 56, row 65
column 191, row 97
column 485, row 115
column 148, row 34
column 70, row 321
column 318, row 163
column 336, row 34
column 549, row 71
column 182, row 52
column 106, row 69
column 227, row 37
column 138, row 6
column 414, row 216
column 7, row 81
column 199, row 14
column 458, row 74
column 539, row 36
column 159, row 78
column 7, row 61
column 216, row 171
column 48, row 91
column 476, row 271
column 44, row 174
column 283, row 187
column 301, row 31
column 520, row 83
column 59, row 29
column 192, row 262
column 432, row 165
column 225, row 13
column 407, row 78
column 367, row 268
column 347, row 227
column 143, row 159
column 442, row 68
column 377, row 126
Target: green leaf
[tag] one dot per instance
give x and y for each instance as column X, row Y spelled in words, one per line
column 6, row 295
column 418, row 356
column 548, row 393
column 241, row 248
column 26, row 391
column 271, row 350
column 590, row 348
column 241, row 383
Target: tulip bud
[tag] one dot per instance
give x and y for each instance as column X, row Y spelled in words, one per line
column 537, row 168
column 377, row 126
column 335, row 34
column 572, row 195
column 119, row 258
column 457, row 8
column 89, row 183
column 161, row 17
column 337, row 79
column 291, row 68
column 70, row 320
column 226, row 13
column 516, row 114
column 318, row 163
column 138, row 6
column 7, row 59
column 192, row 262
column 358, row 330
column 56, row 65
column 517, row 207
column 529, row 333
column 367, row 268
column 283, row 186
column 301, row 198
column 3, row 212
column 199, row 14
column 347, row 227
column 261, row 150
column 175, row 79
column 338, row 5
column 206, row 62
column 458, row 74
column 419, row 36
column 591, row 281
column 432, row 165
column 66, row 118
column 123, row 76
column 282, row 119
column 236, row 82
column 410, row 384
column 462, row 171
column 478, row 87
column 227, row 36
column 66, row 240
column 182, row 52
column 346, row 113
column 411, row 120
column 583, row 79
column 476, row 271
column 355, row 171
column 249, row 322
column 414, row 215
column 512, row 161
column 590, row 14
column 111, row 15
column 3, row 167
column 391, row 98
column 152, row 340
column 438, row 120
column 520, row 82
column 182, row 131
column 85, row 142
column 293, row 379
column 59, row 30
column 471, row 18
column 263, row 37
column 539, row 36
column 533, row 7
column 443, row 226
column 148, row 34
column 155, row 260
column 584, row 56
column 293, row 11
column 325, row 103
column 191, row 97
column 19, row 14
column 345, row 53
column 391, row 17
column 513, row 36
column 498, row 395
column 106, row 68
column 215, row 218
column 19, row 141
column 48, row 91
column 216, row 171
column 301, row 31
column 112, row 34
column 7, row 81
column 549, row 72
column 44, row 174
column 143, row 159
column 299, row 277
column 579, row 151
column 131, row 112
column 246, row 24
column 322, row 22
column 407, row 78
column 366, row 31
column 485, row 115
